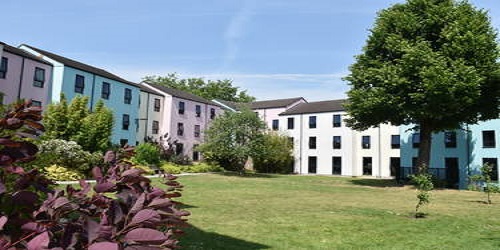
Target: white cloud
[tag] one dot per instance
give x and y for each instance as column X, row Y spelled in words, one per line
column 235, row 31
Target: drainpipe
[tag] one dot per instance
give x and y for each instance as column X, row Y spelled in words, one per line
column 21, row 80
column 92, row 93
column 301, row 139
column 147, row 116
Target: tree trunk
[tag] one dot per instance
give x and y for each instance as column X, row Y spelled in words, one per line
column 424, row 150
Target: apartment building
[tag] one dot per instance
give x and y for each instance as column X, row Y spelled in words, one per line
column 75, row 78
column 324, row 145
column 24, row 76
column 269, row 110
column 185, row 118
column 455, row 154
column 151, row 113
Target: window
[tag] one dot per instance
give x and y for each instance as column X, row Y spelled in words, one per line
column 312, row 121
column 39, row 77
column 35, row 103
column 395, row 141
column 492, row 162
column 415, row 139
column 367, row 166
column 156, row 127
column 489, row 139
column 125, row 121
column 414, row 161
column 105, row 91
column 337, row 142
column 198, row 110
column 157, row 105
column 180, row 129
column 196, row 153
column 290, row 123
column 312, row 142
column 123, row 142
column 365, row 142
column 3, row 67
column 181, row 108
column 212, row 113
column 276, row 124
column 127, row 99
column 312, row 164
column 450, row 139
column 179, row 148
column 79, row 84
column 337, row 121
column 336, row 165
column 196, row 130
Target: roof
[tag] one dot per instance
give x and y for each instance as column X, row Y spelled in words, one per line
column 316, row 107
column 279, row 103
column 23, row 53
column 81, row 66
column 147, row 89
column 181, row 94
column 233, row 105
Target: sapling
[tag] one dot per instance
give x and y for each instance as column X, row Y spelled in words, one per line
column 423, row 184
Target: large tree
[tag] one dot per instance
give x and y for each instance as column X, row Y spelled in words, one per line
column 233, row 138
column 208, row 89
column 432, row 63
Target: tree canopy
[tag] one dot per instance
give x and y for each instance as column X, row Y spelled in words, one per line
column 432, row 63
column 233, row 138
column 208, row 89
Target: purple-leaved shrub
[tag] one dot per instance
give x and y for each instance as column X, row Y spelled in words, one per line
column 122, row 211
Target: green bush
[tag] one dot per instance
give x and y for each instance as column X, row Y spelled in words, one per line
column 58, row 173
column 170, row 168
column 66, row 154
column 202, row 168
column 147, row 154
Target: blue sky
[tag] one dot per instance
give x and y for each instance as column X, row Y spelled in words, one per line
column 273, row 48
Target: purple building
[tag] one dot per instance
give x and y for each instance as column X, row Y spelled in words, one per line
column 24, row 76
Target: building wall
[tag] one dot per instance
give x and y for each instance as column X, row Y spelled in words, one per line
column 270, row 114
column 18, row 82
column 477, row 150
column 147, row 115
column 351, row 152
column 438, row 152
column 189, row 120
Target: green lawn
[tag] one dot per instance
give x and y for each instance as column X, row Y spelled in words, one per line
column 318, row 212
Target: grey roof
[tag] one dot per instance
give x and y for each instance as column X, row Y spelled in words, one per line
column 182, row 94
column 147, row 89
column 23, row 53
column 233, row 105
column 316, row 107
column 81, row 66
column 279, row 103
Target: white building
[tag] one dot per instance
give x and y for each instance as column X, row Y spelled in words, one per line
column 151, row 113
column 324, row 145
column 269, row 110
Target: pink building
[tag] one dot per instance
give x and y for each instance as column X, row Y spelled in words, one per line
column 269, row 110
column 184, row 117
column 24, row 76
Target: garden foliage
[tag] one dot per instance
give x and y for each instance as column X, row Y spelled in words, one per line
column 277, row 156
column 74, row 122
column 483, row 182
column 122, row 211
column 67, row 154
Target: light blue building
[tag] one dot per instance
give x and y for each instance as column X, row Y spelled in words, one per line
column 75, row 78
column 455, row 155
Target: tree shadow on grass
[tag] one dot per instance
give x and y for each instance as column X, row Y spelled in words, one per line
column 247, row 175
column 195, row 238
column 376, row 182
